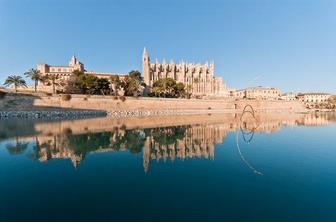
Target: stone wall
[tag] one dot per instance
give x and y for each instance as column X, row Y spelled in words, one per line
column 145, row 104
column 108, row 103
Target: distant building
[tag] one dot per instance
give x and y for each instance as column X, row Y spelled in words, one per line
column 64, row 72
column 313, row 97
column 200, row 77
column 259, row 93
column 289, row 96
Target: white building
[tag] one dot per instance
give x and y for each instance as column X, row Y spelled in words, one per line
column 313, row 97
column 260, row 93
column 289, row 96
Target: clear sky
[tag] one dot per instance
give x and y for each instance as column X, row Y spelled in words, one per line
column 290, row 44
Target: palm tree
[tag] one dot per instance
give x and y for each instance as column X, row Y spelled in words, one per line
column 116, row 84
column 53, row 80
column 18, row 148
column 17, row 81
column 196, row 81
column 157, row 91
column 34, row 75
column 189, row 88
column 136, row 87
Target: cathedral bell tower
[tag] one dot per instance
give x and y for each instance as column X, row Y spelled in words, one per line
column 145, row 67
column 75, row 64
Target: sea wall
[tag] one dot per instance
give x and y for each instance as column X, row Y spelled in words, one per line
column 54, row 114
column 141, row 104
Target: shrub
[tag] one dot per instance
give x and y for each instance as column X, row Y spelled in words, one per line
column 122, row 98
column 48, row 94
column 2, row 94
column 115, row 128
column 115, row 97
column 67, row 131
column 85, row 99
column 209, row 108
column 66, row 97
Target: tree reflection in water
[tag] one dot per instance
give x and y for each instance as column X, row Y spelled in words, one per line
column 66, row 140
column 76, row 147
column 17, row 147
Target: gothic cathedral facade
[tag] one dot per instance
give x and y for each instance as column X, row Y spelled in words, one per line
column 199, row 77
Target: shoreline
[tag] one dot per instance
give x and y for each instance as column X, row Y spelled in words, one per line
column 73, row 114
column 50, row 114
column 39, row 106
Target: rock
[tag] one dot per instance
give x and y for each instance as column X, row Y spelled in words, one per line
column 50, row 114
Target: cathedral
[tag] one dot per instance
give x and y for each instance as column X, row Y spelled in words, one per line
column 199, row 77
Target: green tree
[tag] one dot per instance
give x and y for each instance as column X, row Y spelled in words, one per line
column 157, row 91
column 135, row 74
column 101, row 86
column 95, row 85
column 34, row 75
column 133, row 84
column 86, row 81
column 81, row 82
column 17, row 81
column 168, row 87
column 188, row 89
column 165, row 86
column 179, row 90
column 74, row 85
column 117, row 83
column 89, row 83
column 54, row 80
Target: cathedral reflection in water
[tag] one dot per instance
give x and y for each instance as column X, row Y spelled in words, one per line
column 75, row 139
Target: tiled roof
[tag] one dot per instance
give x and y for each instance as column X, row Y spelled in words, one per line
column 313, row 94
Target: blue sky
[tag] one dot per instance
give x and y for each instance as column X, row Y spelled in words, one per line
column 290, row 44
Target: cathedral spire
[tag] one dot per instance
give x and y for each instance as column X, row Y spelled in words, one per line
column 144, row 51
column 145, row 67
column 73, row 60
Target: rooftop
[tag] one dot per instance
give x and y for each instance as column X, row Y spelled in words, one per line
column 104, row 73
column 260, row 87
column 313, row 93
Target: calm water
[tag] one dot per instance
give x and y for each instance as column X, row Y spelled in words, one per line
column 206, row 168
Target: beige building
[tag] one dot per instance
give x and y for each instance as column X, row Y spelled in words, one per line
column 313, row 97
column 259, row 93
column 64, row 72
column 289, row 96
column 199, row 76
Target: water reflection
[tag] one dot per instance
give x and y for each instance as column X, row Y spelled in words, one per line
column 157, row 138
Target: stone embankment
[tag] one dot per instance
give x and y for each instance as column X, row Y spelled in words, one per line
column 49, row 106
column 51, row 114
column 139, row 113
